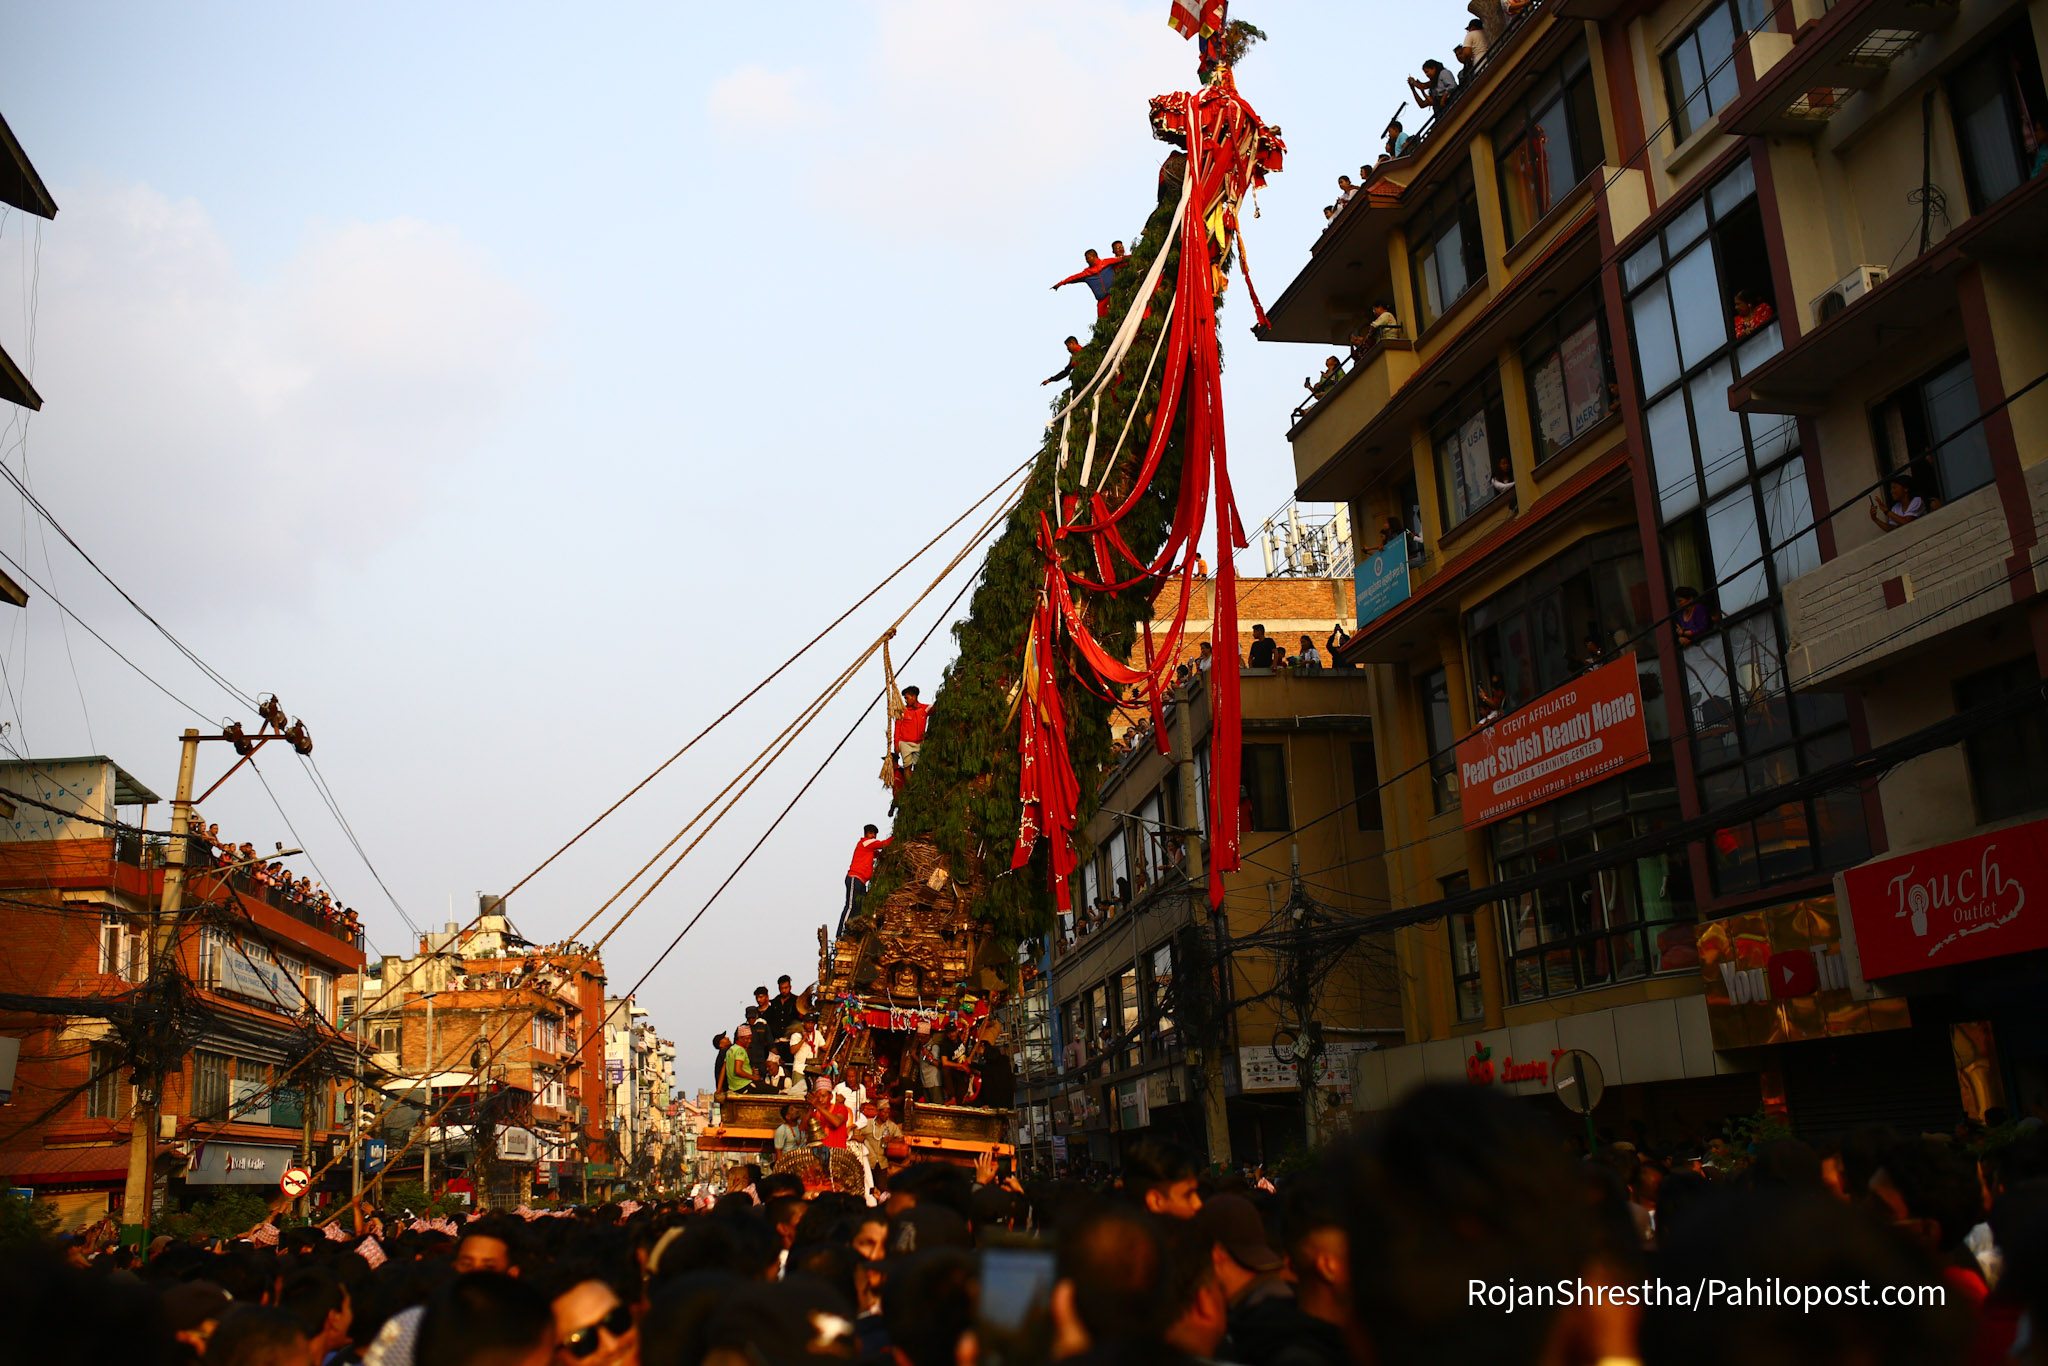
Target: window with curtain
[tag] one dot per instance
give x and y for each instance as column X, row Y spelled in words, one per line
column 210, row 1084
column 1617, row 924
column 1737, row 526
column 103, row 1089
column 1993, row 99
column 1435, row 700
column 1930, row 434
column 1582, row 608
column 1469, row 436
column 1569, row 372
column 1445, row 255
column 1162, row 986
column 1549, row 143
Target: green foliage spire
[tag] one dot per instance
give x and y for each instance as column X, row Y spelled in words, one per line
column 962, row 797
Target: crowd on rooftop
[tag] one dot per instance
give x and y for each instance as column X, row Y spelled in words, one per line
column 268, row 878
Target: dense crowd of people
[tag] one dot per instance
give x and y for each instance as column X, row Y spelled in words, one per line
column 1457, row 1229
column 840, row 1125
column 255, row 875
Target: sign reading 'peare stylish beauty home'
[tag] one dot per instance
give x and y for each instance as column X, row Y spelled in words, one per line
column 1589, row 729
column 1981, row 897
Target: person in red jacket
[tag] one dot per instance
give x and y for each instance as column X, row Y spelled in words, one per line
column 859, row 873
column 1099, row 275
column 910, row 724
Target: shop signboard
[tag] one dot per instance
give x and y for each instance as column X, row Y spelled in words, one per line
column 257, row 976
column 1264, row 1068
column 287, row 1107
column 1591, row 728
column 1983, row 897
column 1778, row 976
column 1382, row 580
column 238, row 1164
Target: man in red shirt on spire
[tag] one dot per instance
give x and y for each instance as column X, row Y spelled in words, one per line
column 1099, row 275
column 859, row 873
column 910, row 723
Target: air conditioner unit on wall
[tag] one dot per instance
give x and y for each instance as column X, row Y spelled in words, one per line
column 1847, row 290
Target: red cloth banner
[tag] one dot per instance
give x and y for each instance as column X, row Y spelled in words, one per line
column 1983, row 897
column 1591, row 728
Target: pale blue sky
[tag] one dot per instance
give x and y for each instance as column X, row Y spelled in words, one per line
column 509, row 387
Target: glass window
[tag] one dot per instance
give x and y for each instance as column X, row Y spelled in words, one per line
column 1697, row 304
column 1788, row 520
column 1126, row 1025
column 1265, row 787
column 1656, row 341
column 103, row 1085
column 1442, row 740
column 1470, row 439
column 1699, row 71
column 1738, row 558
column 2008, row 761
column 1993, row 100
column 1162, row 989
column 1569, row 373
column 1466, row 987
column 1365, row 785
column 1931, row 436
column 1445, row 250
column 209, row 1084
column 1594, row 929
column 1548, row 144
column 1574, row 612
column 1732, row 496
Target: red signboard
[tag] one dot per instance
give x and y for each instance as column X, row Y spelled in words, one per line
column 1977, row 898
column 1591, row 728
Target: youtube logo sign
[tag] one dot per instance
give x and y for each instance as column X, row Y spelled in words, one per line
column 1792, row 973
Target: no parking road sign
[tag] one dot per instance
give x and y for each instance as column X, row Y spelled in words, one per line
column 295, row 1182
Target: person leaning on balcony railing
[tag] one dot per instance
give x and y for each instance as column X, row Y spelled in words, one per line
column 1436, row 86
column 1898, row 506
column 1333, row 370
column 1395, row 144
column 1377, row 328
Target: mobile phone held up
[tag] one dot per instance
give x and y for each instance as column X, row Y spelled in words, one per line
column 1014, row 1322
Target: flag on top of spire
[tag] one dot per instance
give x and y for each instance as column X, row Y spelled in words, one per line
column 1189, row 17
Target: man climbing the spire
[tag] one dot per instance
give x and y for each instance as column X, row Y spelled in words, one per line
column 1099, row 276
column 858, row 874
column 1073, row 355
column 910, row 724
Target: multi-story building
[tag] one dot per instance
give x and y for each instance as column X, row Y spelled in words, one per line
column 255, row 1089
column 22, row 188
column 630, row 1049
column 1602, row 447
column 1905, row 213
column 480, row 1012
column 1172, row 1021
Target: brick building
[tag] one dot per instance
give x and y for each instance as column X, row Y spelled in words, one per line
column 485, row 991
column 81, row 883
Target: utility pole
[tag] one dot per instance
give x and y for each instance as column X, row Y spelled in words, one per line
column 355, row 1111
column 427, row 1162
column 314, row 1081
column 149, row 1079
column 1307, row 1050
column 1215, row 1111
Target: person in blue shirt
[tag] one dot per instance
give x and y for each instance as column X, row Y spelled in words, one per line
column 1099, row 276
